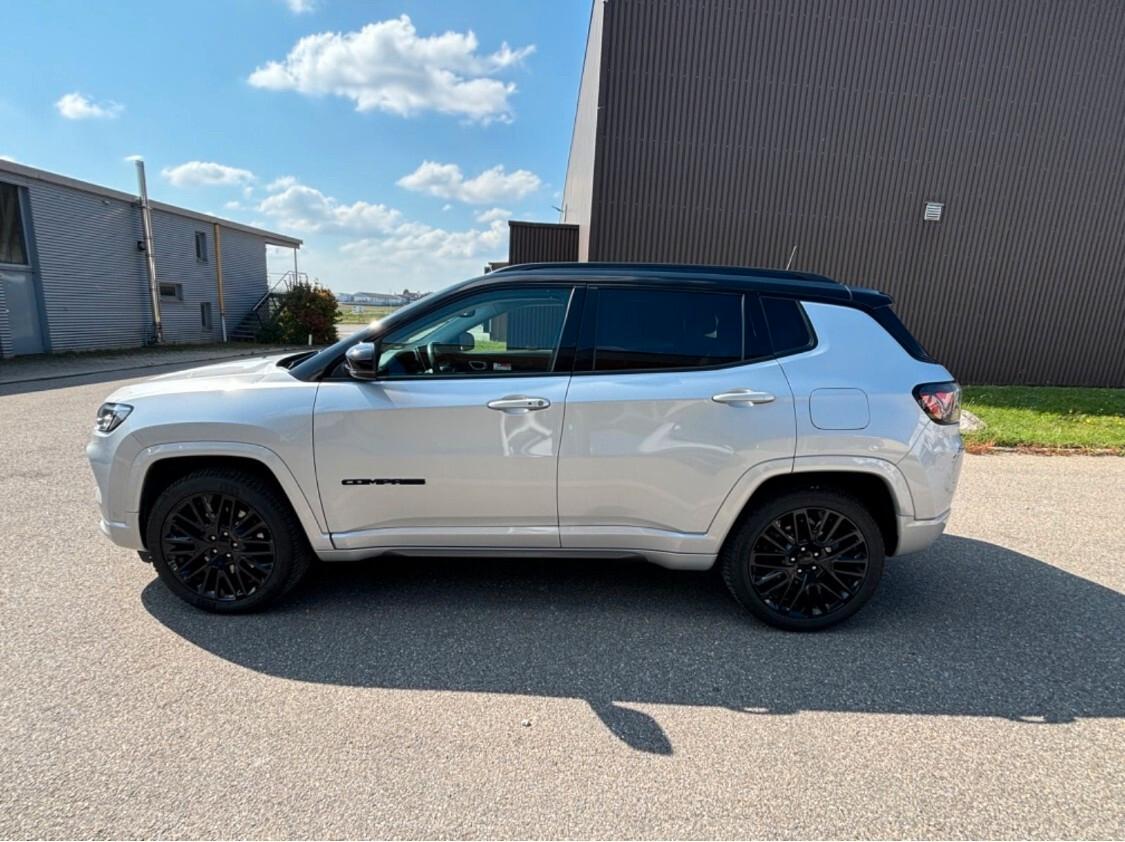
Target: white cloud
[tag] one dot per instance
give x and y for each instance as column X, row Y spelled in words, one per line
column 133, row 158
column 76, row 106
column 205, row 174
column 301, row 7
column 387, row 66
column 304, row 208
column 446, row 181
column 493, row 214
column 413, row 241
column 234, row 204
column 447, row 207
column 281, row 183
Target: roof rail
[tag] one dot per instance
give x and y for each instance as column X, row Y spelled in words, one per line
column 667, row 269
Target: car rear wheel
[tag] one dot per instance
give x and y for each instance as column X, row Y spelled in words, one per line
column 226, row 541
column 805, row 561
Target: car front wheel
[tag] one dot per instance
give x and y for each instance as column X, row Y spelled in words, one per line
column 226, row 541
column 805, row 561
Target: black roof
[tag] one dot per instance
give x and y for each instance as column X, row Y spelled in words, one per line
column 778, row 281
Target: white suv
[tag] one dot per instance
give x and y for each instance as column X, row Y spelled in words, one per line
column 782, row 425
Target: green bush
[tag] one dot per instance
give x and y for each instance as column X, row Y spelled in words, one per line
column 306, row 309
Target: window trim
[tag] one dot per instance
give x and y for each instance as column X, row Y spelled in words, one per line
column 567, row 333
column 585, row 355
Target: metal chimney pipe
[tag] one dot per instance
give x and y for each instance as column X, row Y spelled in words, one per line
column 150, row 254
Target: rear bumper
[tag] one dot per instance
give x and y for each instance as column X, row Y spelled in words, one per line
column 915, row 535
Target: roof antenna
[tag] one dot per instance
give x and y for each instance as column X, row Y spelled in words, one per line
column 789, row 262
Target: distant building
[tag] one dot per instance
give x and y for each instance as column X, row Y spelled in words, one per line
column 966, row 157
column 73, row 272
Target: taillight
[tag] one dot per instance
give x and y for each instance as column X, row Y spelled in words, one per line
column 940, row 401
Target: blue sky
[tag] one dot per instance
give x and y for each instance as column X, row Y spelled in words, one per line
column 394, row 138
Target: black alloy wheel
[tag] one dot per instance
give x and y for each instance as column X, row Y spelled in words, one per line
column 805, row 560
column 226, row 540
column 808, row 562
column 219, row 546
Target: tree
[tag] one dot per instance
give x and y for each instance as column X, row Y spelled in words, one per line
column 305, row 309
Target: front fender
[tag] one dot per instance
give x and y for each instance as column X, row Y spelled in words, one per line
column 131, row 485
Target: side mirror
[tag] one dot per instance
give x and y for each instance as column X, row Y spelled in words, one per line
column 466, row 341
column 362, row 360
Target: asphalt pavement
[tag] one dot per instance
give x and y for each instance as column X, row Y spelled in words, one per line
column 980, row 694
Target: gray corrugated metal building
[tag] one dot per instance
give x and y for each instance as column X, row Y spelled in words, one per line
column 73, row 274
column 717, row 132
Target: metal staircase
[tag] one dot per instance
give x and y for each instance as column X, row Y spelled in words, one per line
column 267, row 309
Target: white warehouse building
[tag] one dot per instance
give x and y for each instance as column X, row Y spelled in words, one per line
column 74, row 273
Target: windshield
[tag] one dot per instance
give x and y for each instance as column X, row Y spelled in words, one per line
column 318, row 363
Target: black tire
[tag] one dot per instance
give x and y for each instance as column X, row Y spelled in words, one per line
column 271, row 559
column 786, row 583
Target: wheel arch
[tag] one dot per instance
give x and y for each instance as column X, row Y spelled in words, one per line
column 870, row 486
column 157, row 467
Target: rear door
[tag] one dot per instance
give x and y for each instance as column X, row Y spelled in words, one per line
column 674, row 398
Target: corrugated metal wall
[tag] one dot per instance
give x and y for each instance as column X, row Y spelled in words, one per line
column 91, row 275
column 93, row 278
column 244, row 274
column 730, row 132
column 541, row 242
column 5, row 331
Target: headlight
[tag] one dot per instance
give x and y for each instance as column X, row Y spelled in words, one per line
column 110, row 416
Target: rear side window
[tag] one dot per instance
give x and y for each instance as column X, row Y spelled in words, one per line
column 647, row 329
column 789, row 328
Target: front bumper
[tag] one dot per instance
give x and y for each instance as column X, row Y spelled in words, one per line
column 124, row 534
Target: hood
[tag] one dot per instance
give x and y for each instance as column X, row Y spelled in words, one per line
column 228, row 375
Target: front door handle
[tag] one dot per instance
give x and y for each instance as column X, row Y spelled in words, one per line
column 519, row 404
column 743, row 396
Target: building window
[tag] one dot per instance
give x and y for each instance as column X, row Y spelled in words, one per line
column 12, row 247
column 205, row 314
column 172, row 291
column 647, row 329
column 201, row 246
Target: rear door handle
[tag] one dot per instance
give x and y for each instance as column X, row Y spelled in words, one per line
column 743, row 396
column 519, row 404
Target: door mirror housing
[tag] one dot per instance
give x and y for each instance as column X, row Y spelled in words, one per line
column 362, row 361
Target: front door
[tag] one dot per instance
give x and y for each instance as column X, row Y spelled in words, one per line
column 456, row 445
column 678, row 402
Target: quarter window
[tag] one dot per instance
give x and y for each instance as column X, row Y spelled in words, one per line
column 12, row 247
column 502, row 331
column 646, row 329
column 788, row 327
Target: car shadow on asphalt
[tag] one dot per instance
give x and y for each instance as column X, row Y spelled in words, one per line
column 967, row 628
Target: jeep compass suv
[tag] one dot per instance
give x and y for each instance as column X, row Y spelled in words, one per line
column 780, row 425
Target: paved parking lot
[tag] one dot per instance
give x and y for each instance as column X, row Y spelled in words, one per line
column 981, row 694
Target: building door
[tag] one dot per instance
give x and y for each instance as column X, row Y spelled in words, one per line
column 17, row 281
column 22, row 310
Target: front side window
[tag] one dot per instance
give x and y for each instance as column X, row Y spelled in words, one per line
column 12, row 247
column 650, row 329
column 501, row 331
